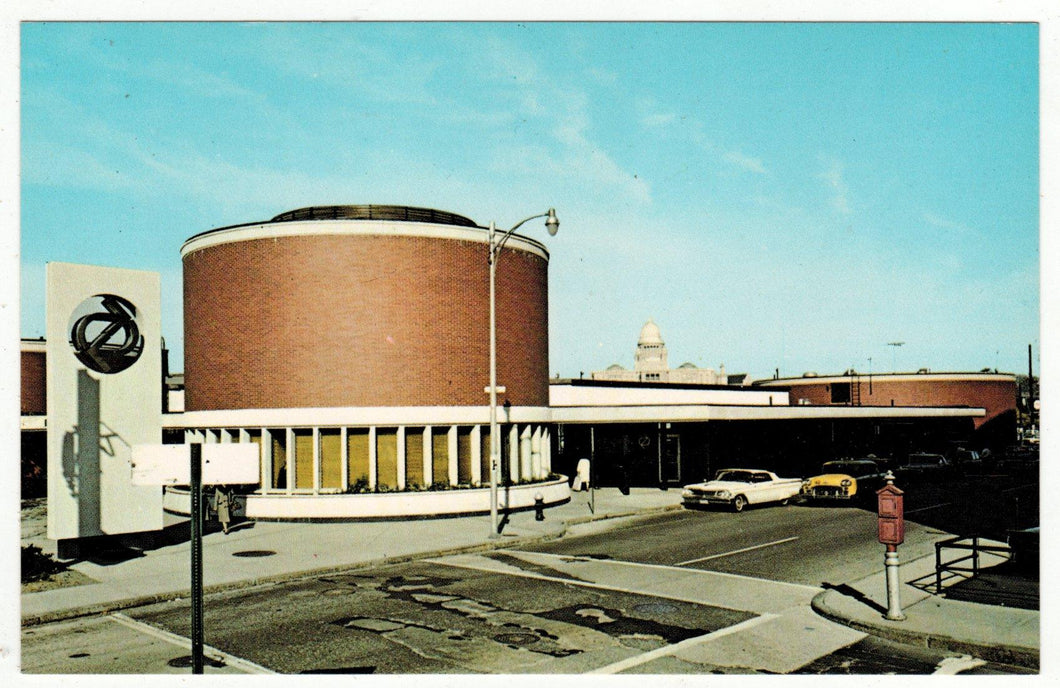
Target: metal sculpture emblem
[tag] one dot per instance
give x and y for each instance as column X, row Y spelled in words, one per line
column 108, row 341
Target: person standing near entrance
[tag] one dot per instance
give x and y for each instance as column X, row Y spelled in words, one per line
column 222, row 504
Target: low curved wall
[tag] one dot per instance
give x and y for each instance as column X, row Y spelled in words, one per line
column 383, row 505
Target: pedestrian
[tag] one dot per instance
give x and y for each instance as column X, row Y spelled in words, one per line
column 221, row 505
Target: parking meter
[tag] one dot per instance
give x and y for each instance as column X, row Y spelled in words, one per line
column 890, row 523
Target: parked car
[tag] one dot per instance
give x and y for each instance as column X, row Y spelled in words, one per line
column 925, row 468
column 967, row 461
column 1017, row 460
column 738, row 487
column 845, row 480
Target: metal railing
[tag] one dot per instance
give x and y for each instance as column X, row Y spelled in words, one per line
column 958, row 567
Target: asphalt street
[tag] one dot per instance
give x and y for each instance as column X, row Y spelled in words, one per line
column 688, row 592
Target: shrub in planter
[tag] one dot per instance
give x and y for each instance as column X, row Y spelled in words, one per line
column 36, row 565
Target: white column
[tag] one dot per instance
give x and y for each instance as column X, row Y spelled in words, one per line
column 546, row 442
column 513, row 453
column 289, row 437
column 225, row 437
column 428, row 456
column 524, row 455
column 401, row 458
column 535, row 453
column 373, row 458
column 476, row 455
column 266, row 460
column 345, row 454
column 454, row 463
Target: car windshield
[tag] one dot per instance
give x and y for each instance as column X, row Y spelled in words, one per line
column 736, row 476
column 926, row 459
column 853, row 468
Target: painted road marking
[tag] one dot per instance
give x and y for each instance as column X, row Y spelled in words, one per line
column 665, row 567
column 928, row 508
column 952, row 666
column 677, row 647
column 737, row 551
column 185, row 643
column 510, row 570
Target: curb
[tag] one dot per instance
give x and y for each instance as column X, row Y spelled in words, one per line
column 126, row 603
column 1024, row 657
column 129, row 602
column 650, row 511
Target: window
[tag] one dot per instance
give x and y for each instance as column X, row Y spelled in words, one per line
column 841, row 393
column 414, row 457
column 331, row 459
column 386, row 457
column 439, row 455
column 303, row 459
column 357, row 452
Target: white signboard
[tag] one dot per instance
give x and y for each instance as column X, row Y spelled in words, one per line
column 104, row 389
column 170, row 464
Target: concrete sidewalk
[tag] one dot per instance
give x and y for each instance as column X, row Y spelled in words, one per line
column 1009, row 635
column 260, row 552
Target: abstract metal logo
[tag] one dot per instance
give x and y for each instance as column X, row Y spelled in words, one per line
column 107, row 340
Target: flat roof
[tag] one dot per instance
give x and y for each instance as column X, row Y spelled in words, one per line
column 639, row 384
column 904, row 377
column 704, row 413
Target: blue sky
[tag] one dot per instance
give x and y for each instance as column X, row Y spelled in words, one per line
column 774, row 196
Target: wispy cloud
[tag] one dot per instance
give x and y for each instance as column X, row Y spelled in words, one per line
column 833, row 177
column 746, row 162
column 946, row 224
column 652, row 116
column 576, row 153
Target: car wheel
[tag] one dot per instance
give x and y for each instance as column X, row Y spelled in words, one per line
column 739, row 503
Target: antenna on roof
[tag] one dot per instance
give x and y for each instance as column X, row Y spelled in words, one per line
column 895, row 345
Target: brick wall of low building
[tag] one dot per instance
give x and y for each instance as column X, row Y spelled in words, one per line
column 997, row 394
column 360, row 320
column 34, row 385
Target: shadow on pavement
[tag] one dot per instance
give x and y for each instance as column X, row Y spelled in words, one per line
column 110, row 550
column 856, row 594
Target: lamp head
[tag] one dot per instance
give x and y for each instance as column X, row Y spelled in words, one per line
column 552, row 222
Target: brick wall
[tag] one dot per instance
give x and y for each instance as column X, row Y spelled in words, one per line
column 996, row 396
column 34, row 383
column 355, row 320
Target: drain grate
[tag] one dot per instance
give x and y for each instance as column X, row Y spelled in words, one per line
column 254, row 553
column 185, row 662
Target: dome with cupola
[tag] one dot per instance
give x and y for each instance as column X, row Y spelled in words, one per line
column 649, row 334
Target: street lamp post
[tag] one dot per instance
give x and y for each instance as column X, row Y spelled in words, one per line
column 495, row 246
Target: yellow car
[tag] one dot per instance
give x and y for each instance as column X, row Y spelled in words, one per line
column 844, row 480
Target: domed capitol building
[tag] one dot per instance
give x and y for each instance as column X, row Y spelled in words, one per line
column 650, row 364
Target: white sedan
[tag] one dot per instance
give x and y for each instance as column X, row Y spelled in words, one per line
column 738, row 487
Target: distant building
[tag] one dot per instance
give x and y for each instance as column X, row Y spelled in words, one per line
column 996, row 393
column 650, row 364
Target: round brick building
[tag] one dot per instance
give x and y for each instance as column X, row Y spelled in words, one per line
column 352, row 343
